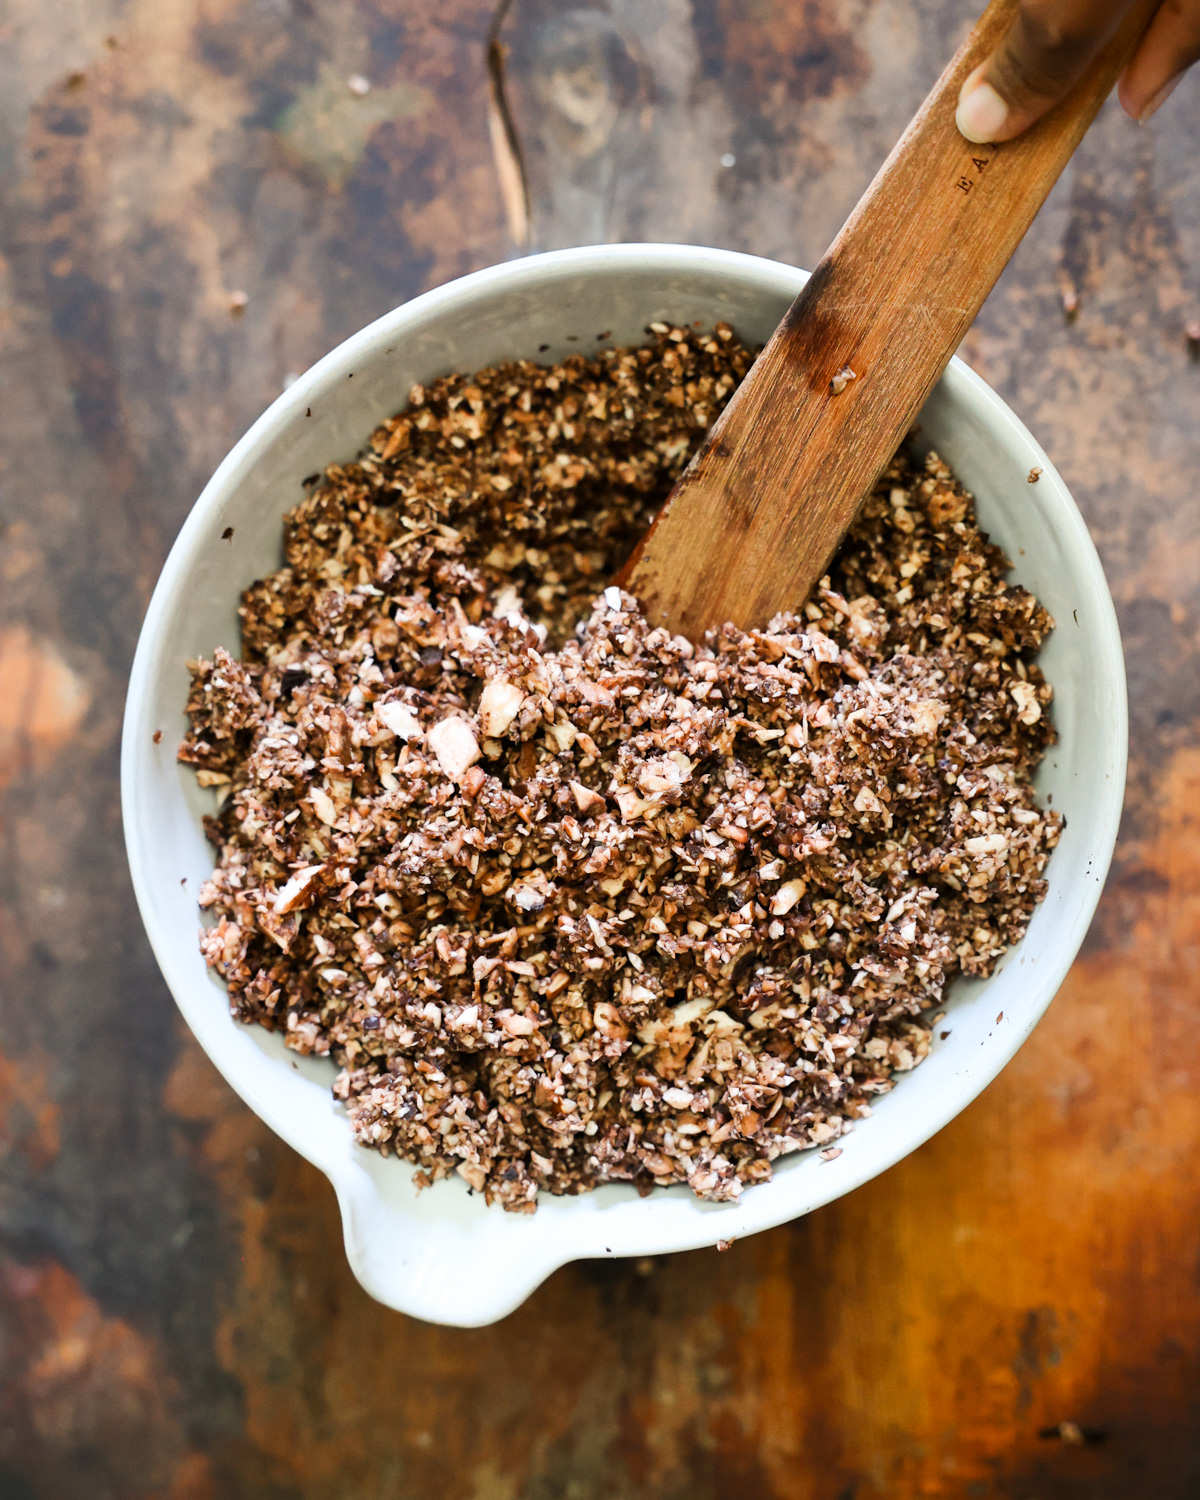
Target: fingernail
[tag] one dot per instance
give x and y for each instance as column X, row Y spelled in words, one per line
column 981, row 114
column 1160, row 98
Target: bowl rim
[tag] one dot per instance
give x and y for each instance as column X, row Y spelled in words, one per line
column 754, row 1211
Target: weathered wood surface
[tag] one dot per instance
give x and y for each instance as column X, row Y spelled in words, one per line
column 177, row 1317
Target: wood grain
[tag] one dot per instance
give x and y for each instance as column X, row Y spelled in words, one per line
column 756, row 518
column 177, row 1320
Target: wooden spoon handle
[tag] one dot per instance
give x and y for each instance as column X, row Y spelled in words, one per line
column 758, row 514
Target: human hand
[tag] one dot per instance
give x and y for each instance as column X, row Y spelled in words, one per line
column 1049, row 46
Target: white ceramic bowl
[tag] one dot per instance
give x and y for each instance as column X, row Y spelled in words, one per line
column 440, row 1254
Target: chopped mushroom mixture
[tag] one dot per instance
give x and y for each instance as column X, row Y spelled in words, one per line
column 571, row 900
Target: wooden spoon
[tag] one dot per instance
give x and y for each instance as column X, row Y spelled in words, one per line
column 759, row 512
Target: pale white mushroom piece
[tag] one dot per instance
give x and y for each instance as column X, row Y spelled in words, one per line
column 323, row 806
column 498, row 707
column 453, row 742
column 297, row 890
column 1024, row 695
column 786, row 897
column 586, row 800
column 403, row 723
column 927, row 714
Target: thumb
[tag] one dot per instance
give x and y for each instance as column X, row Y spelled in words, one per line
column 1045, row 52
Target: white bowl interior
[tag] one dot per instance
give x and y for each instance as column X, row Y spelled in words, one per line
column 441, row 1254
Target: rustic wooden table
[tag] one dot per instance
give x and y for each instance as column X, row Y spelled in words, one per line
column 1014, row 1311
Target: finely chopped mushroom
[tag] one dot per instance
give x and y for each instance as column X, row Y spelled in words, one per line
column 571, row 900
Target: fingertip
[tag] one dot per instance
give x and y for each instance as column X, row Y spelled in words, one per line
column 981, row 115
column 1128, row 98
column 1139, row 106
column 1156, row 101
